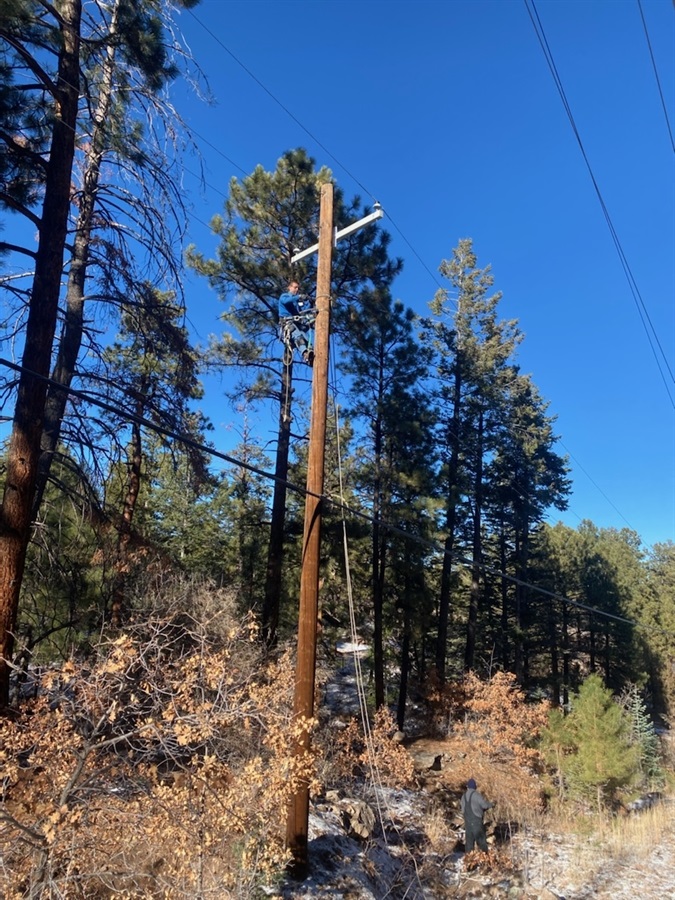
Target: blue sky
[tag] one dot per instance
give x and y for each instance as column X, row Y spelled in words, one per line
column 447, row 113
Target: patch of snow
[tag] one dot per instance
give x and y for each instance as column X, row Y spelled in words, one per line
column 350, row 647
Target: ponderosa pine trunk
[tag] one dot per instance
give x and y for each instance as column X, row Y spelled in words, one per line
column 379, row 553
column 275, row 552
column 477, row 551
column 73, row 325
column 24, row 444
column 450, row 526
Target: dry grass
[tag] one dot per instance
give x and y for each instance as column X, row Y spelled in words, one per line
column 617, row 834
column 439, row 833
column 580, row 849
column 634, row 836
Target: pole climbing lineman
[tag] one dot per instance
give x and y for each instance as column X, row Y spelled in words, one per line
column 296, row 314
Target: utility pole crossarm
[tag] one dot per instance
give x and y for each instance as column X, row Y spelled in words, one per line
column 379, row 212
column 366, row 220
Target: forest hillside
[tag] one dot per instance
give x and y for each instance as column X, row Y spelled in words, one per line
column 174, row 596
column 158, row 765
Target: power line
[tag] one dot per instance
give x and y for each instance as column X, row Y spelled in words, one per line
column 279, row 103
column 398, row 229
column 310, row 134
column 295, row 119
column 596, row 486
column 435, row 279
column 640, row 305
column 526, row 497
column 656, row 75
column 218, row 151
column 338, row 505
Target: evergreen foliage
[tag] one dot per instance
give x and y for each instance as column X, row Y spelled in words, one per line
column 601, row 757
column 643, row 737
column 657, row 613
column 93, row 170
column 448, row 447
column 268, row 215
column 499, row 473
column 396, row 473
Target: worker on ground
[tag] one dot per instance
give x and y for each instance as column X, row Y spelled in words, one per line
column 474, row 805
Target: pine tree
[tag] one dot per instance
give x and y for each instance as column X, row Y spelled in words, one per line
column 123, row 81
column 526, row 477
column 24, row 446
column 387, row 367
column 603, row 758
column 52, row 51
column 61, row 599
column 155, row 365
column 471, row 347
column 267, row 216
column 657, row 614
column 643, row 737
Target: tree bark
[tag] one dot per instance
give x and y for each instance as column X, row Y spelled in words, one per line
column 477, row 552
column 405, row 643
column 71, row 337
column 450, row 526
column 378, row 572
column 135, row 461
column 504, row 589
column 275, row 552
column 24, row 445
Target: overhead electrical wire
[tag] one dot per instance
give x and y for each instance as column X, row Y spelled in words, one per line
column 596, row 486
column 389, row 216
column 643, row 313
column 356, row 180
column 188, row 441
column 656, row 75
column 424, row 265
column 207, row 225
column 310, row 134
column 279, row 103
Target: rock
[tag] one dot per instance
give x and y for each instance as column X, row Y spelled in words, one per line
column 471, row 887
column 425, row 761
column 358, row 819
column 646, row 802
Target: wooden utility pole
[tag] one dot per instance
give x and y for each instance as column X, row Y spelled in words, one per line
column 303, row 707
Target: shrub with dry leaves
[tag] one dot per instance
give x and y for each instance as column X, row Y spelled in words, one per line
column 159, row 768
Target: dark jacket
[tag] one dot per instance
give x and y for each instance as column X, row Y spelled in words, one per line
column 474, row 804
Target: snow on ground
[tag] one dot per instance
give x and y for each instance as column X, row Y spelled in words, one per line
column 403, row 868
column 397, row 862
column 575, row 868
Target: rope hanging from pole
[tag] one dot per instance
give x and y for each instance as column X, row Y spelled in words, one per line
column 383, row 810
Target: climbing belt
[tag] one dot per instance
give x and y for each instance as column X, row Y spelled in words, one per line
column 287, row 328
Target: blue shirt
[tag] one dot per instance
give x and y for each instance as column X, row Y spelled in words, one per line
column 288, row 305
